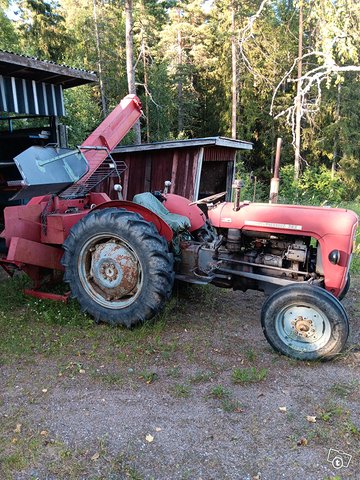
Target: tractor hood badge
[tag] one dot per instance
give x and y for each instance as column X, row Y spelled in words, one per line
column 285, row 226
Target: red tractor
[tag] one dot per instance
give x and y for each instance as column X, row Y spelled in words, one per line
column 120, row 257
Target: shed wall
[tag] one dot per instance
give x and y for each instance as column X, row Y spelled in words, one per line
column 148, row 170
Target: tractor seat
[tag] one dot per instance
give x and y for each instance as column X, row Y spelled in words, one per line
column 175, row 221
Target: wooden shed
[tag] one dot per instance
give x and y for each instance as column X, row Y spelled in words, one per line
column 196, row 168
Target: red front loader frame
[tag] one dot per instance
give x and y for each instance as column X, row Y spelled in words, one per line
column 35, row 232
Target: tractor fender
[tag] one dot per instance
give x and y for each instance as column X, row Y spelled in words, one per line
column 162, row 227
column 181, row 206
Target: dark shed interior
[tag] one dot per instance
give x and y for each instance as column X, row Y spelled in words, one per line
column 31, row 102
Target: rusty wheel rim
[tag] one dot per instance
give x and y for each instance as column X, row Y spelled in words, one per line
column 110, row 271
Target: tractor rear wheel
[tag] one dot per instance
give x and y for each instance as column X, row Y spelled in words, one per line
column 305, row 322
column 118, row 267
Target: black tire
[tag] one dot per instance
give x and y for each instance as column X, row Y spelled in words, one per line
column 346, row 288
column 118, row 267
column 305, row 322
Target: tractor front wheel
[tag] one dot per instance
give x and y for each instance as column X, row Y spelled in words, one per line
column 305, row 322
column 118, row 267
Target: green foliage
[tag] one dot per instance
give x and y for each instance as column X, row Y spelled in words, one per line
column 316, row 186
column 82, row 112
column 253, row 189
column 355, row 264
column 8, row 38
column 43, row 30
column 183, row 69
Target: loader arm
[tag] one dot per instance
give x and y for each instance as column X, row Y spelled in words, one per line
column 109, row 133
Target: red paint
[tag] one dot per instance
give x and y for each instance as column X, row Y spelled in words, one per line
column 334, row 228
column 32, row 231
column 161, row 226
column 58, row 226
column 22, row 221
column 34, row 253
column 180, row 205
column 47, row 296
column 109, row 133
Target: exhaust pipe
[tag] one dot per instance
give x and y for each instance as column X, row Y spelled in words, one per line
column 274, row 185
column 237, row 194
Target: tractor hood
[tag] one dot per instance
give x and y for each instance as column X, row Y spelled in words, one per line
column 287, row 219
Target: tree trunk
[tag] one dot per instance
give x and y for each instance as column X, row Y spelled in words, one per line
column 336, row 136
column 298, row 100
column 234, row 74
column 180, row 83
column 99, row 63
column 130, row 69
column 144, row 59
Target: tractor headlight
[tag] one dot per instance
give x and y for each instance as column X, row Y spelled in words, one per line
column 334, row 257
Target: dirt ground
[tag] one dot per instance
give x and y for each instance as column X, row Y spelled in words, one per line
column 198, row 395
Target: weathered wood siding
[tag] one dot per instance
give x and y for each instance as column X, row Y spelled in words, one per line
column 148, row 170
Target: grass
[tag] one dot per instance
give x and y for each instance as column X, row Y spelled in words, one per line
column 250, row 355
column 334, row 426
column 219, row 392
column 337, row 416
column 352, row 429
column 66, row 341
column 343, row 390
column 111, row 379
column 202, row 377
column 30, row 327
column 248, row 375
column 231, row 406
column 355, row 264
column 181, row 390
column 174, row 372
column 227, row 403
column 148, row 376
column 330, row 412
column 34, row 452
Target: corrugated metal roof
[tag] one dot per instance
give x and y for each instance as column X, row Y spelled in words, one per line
column 32, row 86
column 194, row 142
column 31, row 68
column 20, row 95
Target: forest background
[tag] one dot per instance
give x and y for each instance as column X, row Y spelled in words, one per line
column 216, row 67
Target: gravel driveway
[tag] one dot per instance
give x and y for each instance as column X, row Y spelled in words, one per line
column 198, row 395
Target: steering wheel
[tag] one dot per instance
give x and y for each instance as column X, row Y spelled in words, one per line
column 210, row 199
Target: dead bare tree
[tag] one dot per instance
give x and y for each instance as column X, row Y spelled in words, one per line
column 309, row 85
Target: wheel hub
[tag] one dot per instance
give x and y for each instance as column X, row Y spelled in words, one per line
column 303, row 326
column 114, row 269
column 109, row 271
